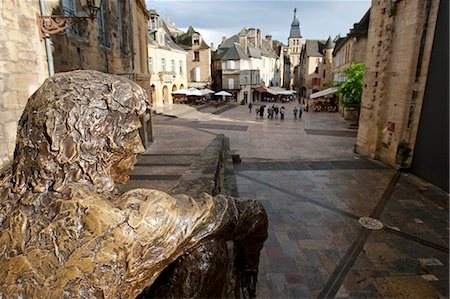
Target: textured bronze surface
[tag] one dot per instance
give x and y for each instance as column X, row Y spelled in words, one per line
column 67, row 233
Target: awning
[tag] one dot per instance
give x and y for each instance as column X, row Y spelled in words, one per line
column 260, row 89
column 271, row 91
column 223, row 93
column 324, row 92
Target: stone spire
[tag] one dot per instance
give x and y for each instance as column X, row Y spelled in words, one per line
column 295, row 27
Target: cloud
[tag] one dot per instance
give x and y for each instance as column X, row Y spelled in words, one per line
column 318, row 19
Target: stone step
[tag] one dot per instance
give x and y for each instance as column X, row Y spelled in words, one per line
column 167, row 160
column 162, row 169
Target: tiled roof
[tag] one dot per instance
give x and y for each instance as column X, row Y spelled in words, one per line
column 253, row 52
column 185, row 40
column 314, row 47
column 329, row 44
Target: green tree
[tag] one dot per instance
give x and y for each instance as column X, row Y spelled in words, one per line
column 350, row 90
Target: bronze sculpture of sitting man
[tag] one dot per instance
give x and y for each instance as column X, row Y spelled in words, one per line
column 67, row 233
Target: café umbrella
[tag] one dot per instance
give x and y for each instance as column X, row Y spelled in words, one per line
column 224, row 94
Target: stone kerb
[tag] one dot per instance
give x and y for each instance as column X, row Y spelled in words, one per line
column 206, row 173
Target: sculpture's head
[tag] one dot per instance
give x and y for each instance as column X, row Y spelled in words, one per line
column 80, row 126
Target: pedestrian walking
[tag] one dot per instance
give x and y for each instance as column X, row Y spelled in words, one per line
column 282, row 110
column 250, row 107
column 300, row 112
column 295, row 112
column 270, row 112
column 276, row 111
column 261, row 111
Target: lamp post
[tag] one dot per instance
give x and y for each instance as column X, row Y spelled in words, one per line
column 56, row 23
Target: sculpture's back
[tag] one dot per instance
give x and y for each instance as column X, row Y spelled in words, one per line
column 65, row 232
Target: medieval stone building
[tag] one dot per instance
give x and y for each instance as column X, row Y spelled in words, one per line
column 115, row 41
column 245, row 62
column 167, row 62
column 315, row 67
column 198, row 58
column 295, row 43
column 404, row 109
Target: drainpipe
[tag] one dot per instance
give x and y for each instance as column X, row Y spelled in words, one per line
column 48, row 46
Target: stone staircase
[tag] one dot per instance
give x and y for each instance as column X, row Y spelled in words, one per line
column 188, row 171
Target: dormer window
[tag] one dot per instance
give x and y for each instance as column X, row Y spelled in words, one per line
column 196, row 40
column 153, row 23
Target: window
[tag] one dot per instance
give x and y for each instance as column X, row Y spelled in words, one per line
column 69, row 7
column 150, row 64
column 122, row 27
column 196, row 56
column 102, row 25
column 230, row 64
column 324, row 73
column 154, row 22
column 196, row 40
column 173, row 66
column 230, row 83
column 180, row 64
column 316, row 70
column 315, row 81
column 163, row 64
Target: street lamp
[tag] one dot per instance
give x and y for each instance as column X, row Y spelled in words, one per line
column 53, row 24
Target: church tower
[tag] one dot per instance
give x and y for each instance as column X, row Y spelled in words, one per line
column 295, row 42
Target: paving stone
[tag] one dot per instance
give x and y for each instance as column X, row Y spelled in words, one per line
column 314, row 191
column 274, row 252
column 299, row 291
column 282, row 265
column 293, row 278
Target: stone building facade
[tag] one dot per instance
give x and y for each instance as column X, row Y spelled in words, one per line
column 115, row 42
column 352, row 48
column 315, row 70
column 167, row 62
column 245, row 62
column 198, row 58
column 399, row 47
column 23, row 67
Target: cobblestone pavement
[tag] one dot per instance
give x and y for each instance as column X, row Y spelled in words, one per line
column 315, row 190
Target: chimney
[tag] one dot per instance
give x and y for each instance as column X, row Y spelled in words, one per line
column 223, row 38
column 269, row 39
column 244, row 43
column 212, row 46
column 258, row 38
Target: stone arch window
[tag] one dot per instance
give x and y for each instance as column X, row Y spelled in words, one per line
column 182, row 86
column 174, row 88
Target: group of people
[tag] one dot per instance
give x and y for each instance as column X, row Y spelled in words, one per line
column 274, row 110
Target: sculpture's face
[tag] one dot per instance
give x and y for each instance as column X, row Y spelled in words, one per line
column 125, row 159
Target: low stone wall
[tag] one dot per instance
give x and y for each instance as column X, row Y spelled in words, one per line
column 212, row 172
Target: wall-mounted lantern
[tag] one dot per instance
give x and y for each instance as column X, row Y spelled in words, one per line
column 54, row 24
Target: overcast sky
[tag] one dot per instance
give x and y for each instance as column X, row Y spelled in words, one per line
column 214, row 19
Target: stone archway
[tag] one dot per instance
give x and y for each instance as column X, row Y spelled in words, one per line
column 174, row 88
column 165, row 94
